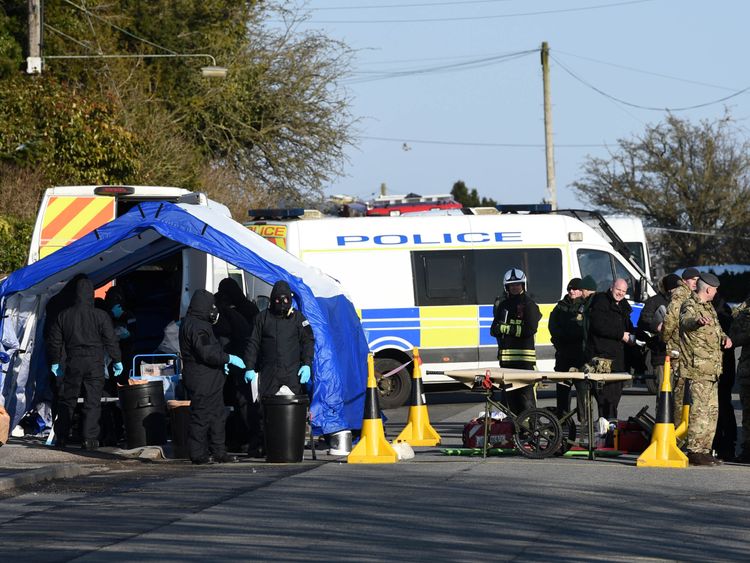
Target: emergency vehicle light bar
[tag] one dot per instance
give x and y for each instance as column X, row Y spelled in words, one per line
column 276, row 213
column 114, row 190
column 530, row 208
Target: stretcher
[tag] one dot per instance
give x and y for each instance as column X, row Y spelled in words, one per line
column 538, row 432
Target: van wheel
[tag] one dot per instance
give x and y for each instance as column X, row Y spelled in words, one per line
column 393, row 391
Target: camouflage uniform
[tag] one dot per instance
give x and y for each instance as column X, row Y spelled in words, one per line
column 701, row 362
column 740, row 334
column 671, row 337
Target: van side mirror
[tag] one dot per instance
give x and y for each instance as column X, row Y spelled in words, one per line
column 642, row 289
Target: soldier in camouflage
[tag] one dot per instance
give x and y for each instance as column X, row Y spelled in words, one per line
column 740, row 333
column 671, row 334
column 701, row 344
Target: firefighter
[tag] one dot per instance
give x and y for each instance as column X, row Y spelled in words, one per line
column 515, row 323
column 204, row 366
column 81, row 334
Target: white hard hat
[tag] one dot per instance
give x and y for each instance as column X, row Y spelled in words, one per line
column 514, row 275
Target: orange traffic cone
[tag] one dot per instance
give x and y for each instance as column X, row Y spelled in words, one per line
column 418, row 431
column 663, row 451
column 372, row 446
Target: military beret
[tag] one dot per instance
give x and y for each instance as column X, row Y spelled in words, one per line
column 689, row 273
column 575, row 283
column 588, row 283
column 710, row 279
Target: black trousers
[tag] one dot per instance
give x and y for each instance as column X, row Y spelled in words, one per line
column 89, row 373
column 207, row 424
column 608, row 399
column 562, row 390
column 725, row 438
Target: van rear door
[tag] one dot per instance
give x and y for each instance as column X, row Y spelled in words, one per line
column 68, row 218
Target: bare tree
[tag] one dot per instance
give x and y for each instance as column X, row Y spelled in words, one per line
column 689, row 182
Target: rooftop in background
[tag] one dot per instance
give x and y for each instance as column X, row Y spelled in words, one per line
column 390, row 205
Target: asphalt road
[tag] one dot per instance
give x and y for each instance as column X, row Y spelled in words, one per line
column 433, row 507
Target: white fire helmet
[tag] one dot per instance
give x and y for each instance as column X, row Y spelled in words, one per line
column 514, row 275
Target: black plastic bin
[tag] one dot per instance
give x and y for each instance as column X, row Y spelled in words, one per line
column 144, row 411
column 285, row 417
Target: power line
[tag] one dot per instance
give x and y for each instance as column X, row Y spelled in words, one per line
column 489, row 17
column 466, row 65
column 650, row 108
column 420, row 5
column 630, row 68
column 477, row 144
column 125, row 31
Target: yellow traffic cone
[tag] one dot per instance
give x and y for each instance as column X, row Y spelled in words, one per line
column 663, row 451
column 418, row 431
column 372, row 446
column 681, row 431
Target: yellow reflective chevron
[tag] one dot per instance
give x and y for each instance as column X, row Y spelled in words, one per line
column 517, row 355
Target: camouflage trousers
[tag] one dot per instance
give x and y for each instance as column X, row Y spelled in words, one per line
column 607, row 396
column 745, row 400
column 704, row 414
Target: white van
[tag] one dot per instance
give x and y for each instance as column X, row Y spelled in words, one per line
column 157, row 292
column 430, row 281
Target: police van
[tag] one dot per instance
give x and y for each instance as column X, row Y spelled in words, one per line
column 157, row 292
column 430, row 281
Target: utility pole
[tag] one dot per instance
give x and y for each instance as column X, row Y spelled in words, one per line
column 548, row 145
column 34, row 60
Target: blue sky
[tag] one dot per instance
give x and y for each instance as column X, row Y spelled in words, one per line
column 423, row 126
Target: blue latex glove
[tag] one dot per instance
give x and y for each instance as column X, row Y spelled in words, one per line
column 117, row 311
column 117, row 368
column 304, row 374
column 57, row 370
column 122, row 333
column 250, row 375
column 236, row 361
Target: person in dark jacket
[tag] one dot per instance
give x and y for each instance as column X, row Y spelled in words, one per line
column 204, row 365
column 81, row 334
column 515, row 323
column 609, row 330
column 725, row 439
column 230, row 289
column 125, row 327
column 281, row 346
column 566, row 332
column 651, row 323
column 60, row 301
column 243, row 424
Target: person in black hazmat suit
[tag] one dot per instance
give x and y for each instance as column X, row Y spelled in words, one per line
column 230, row 289
column 125, row 327
column 80, row 334
column 281, row 346
column 233, row 331
column 204, row 365
column 60, row 301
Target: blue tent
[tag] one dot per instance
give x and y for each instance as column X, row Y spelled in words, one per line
column 154, row 230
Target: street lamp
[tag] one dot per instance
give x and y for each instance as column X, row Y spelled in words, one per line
column 212, row 71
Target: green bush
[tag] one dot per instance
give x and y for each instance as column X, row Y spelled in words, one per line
column 15, row 238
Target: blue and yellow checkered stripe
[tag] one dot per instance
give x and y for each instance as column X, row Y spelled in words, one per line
column 450, row 326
